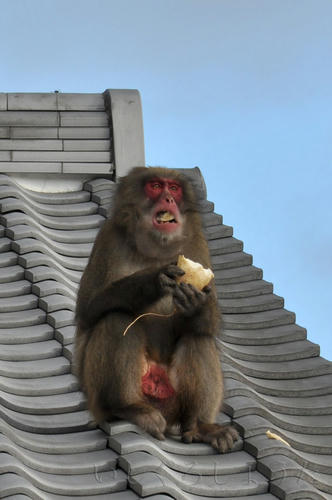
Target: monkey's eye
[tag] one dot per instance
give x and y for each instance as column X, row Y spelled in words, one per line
column 153, row 189
column 174, row 187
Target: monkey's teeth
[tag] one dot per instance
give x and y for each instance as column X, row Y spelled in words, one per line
column 165, row 217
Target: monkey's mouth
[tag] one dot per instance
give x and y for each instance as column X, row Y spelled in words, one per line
column 164, row 217
column 165, row 220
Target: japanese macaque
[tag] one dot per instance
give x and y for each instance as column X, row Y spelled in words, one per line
column 165, row 371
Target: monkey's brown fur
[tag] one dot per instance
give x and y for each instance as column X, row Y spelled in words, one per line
column 131, row 271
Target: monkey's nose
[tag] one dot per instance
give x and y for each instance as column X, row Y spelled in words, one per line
column 169, row 198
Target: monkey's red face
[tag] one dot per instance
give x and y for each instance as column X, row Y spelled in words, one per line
column 166, row 195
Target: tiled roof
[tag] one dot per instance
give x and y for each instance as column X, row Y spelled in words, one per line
column 50, row 447
column 274, row 376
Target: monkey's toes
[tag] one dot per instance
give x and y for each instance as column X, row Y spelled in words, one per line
column 189, row 437
column 221, row 437
column 223, row 440
column 153, row 423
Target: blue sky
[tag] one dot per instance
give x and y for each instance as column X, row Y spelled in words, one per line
column 241, row 88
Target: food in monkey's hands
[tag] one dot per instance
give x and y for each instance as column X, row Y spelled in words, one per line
column 195, row 273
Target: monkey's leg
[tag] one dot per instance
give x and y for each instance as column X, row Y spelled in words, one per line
column 197, row 370
column 113, row 369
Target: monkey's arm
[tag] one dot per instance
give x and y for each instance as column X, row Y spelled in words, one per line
column 131, row 294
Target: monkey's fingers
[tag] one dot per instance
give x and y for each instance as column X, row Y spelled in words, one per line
column 166, row 283
column 173, row 271
column 188, row 299
column 168, row 275
column 181, row 299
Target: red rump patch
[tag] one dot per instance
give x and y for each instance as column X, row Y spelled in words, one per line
column 156, row 384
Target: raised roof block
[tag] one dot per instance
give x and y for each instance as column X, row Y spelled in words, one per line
column 103, row 132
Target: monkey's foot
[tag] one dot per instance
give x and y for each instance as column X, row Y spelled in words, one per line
column 145, row 416
column 221, row 437
column 152, row 422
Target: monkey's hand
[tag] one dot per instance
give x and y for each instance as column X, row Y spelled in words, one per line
column 167, row 278
column 188, row 299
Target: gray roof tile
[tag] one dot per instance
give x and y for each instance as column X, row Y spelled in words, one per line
column 230, row 260
column 84, row 133
column 35, row 368
column 5, row 244
column 25, row 334
column 219, row 231
column 10, row 204
column 32, row 247
column 296, row 488
column 244, row 289
column 60, row 319
column 71, row 463
column 314, row 405
column 32, row 133
column 282, row 370
column 237, row 275
column 8, row 187
column 297, row 387
column 22, row 318
column 26, row 352
column 264, row 302
column 225, row 245
column 83, row 119
column 69, row 267
column 183, row 487
column 72, row 484
column 30, row 144
column 14, row 288
column 279, row 466
column 74, row 237
column 65, row 335
column 49, row 423
column 44, row 386
column 44, row 405
column 56, row 302
column 283, row 351
column 313, row 452
column 20, row 303
column 29, row 118
column 50, row 287
column 40, row 273
column 262, row 319
column 264, row 336
column 58, row 443
column 8, row 259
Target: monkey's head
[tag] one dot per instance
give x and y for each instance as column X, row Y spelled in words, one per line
column 153, row 207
